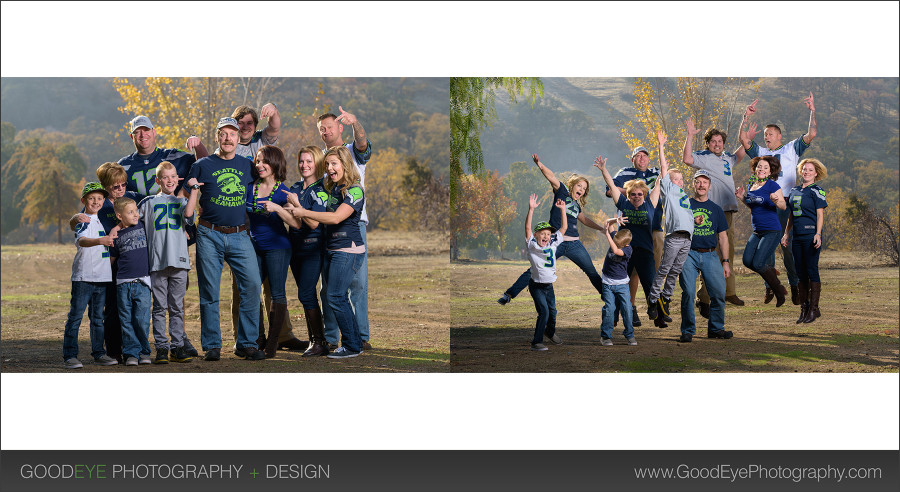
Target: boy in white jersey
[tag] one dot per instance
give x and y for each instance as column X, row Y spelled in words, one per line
column 91, row 271
column 541, row 247
column 164, row 216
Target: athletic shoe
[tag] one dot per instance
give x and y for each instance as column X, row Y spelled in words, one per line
column 332, row 346
column 73, row 363
column 538, row 346
column 632, row 341
column 179, row 354
column 144, row 359
column 190, row 350
column 719, row 334
column 652, row 309
column 663, row 306
column 504, row 300
column 704, row 309
column 212, row 354
column 342, row 353
column 606, row 342
column 131, row 361
column 555, row 339
column 660, row 322
column 686, row 338
column 162, row 356
column 105, row 360
column 635, row 321
column 250, row 353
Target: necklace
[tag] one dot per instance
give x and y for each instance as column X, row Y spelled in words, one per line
column 271, row 195
column 754, row 180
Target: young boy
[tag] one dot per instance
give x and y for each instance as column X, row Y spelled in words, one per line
column 615, row 284
column 542, row 254
column 132, row 282
column 164, row 216
column 679, row 228
column 90, row 273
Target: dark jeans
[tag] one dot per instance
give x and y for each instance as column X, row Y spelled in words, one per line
column 760, row 247
column 787, row 252
column 306, row 265
column 273, row 265
column 806, row 258
column 642, row 260
column 572, row 250
column 545, row 304
column 85, row 295
column 112, row 328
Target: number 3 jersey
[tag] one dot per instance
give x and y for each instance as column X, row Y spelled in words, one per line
column 543, row 260
column 164, row 221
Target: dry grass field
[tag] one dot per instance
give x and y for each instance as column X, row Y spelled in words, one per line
column 408, row 313
column 858, row 331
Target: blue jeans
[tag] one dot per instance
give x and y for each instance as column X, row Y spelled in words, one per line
column 760, row 247
column 112, row 330
column 711, row 266
column 786, row 253
column 273, row 264
column 572, row 250
column 134, row 302
column 620, row 297
column 340, row 268
column 545, row 304
column 306, row 265
column 359, row 297
column 213, row 249
column 807, row 258
column 90, row 295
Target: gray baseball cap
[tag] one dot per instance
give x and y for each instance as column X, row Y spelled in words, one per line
column 639, row 149
column 702, row 173
column 228, row 122
column 140, row 121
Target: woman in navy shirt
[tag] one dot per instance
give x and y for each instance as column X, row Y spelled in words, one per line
column 807, row 217
column 763, row 196
column 270, row 238
column 345, row 249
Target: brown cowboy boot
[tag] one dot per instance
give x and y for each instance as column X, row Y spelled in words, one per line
column 771, row 278
column 317, row 344
column 803, row 297
column 815, row 289
column 276, row 321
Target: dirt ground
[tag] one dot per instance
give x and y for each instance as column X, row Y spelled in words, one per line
column 409, row 314
column 858, row 331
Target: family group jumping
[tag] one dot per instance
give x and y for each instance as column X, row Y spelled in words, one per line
column 661, row 235
column 132, row 237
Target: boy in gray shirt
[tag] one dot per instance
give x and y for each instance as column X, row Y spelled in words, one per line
column 679, row 228
column 165, row 216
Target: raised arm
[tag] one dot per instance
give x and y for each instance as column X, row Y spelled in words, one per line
column 359, row 134
column 554, row 183
column 270, row 111
column 533, row 203
column 687, row 155
column 612, row 244
column 614, row 193
column 584, row 219
column 739, row 152
column 811, row 131
column 663, row 167
column 195, row 145
column 561, row 205
column 747, row 138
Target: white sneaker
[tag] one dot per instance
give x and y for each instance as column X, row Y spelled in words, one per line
column 538, row 346
column 606, row 342
column 105, row 360
column 131, row 361
column 632, row 341
column 73, row 363
column 145, row 359
column 342, row 353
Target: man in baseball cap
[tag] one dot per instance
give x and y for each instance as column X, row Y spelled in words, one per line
column 141, row 165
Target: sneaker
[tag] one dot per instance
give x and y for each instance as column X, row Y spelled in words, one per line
column 704, row 309
column 342, row 353
column 686, row 338
column 366, row 346
column 212, row 354
column 606, row 342
column 635, row 321
column 332, row 346
column 555, row 339
column 179, row 354
column 504, row 300
column 131, row 361
column 250, row 353
column 190, row 350
column 663, row 306
column 73, row 363
column 105, row 360
column 144, row 359
column 719, row 334
column 660, row 322
column 652, row 309
column 632, row 341
column 538, row 347
column 162, row 356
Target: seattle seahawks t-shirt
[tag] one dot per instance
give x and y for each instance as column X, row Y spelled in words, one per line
column 225, row 190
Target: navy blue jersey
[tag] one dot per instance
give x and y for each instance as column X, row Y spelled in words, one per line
column 714, row 222
column 615, row 267
column 130, row 247
column 141, row 169
column 573, row 209
column 107, row 214
column 803, row 203
column 649, row 176
column 763, row 212
column 347, row 232
column 266, row 228
column 639, row 222
column 226, row 188
column 313, row 197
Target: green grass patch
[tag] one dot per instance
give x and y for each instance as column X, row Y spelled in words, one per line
column 800, row 355
column 659, row 364
column 53, row 298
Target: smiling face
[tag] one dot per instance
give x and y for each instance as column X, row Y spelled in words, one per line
column 333, row 168
column 716, row 144
column 701, row 187
column 809, row 173
column 129, row 215
column 168, row 181
column 330, row 130
column 636, row 197
column 772, row 137
column 227, row 139
column 306, row 165
column 579, row 189
column 144, row 140
column 543, row 237
column 762, row 169
column 248, row 126
column 262, row 167
column 93, row 202
column 677, row 179
column 641, row 161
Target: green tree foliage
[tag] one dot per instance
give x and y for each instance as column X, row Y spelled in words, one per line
column 525, row 178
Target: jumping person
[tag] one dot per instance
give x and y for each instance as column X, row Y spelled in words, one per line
column 542, row 245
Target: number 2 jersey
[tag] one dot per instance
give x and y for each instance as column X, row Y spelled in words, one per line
column 164, row 221
column 141, row 169
column 543, row 260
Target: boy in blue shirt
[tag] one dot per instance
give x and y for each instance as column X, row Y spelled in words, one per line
column 616, row 293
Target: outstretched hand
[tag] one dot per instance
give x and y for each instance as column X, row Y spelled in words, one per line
column 192, row 142
column 661, row 136
column 600, row 162
column 752, row 131
column 291, row 198
column 268, row 111
column 810, row 103
column 345, row 117
column 751, row 109
column 533, row 202
column 689, row 125
column 536, row 159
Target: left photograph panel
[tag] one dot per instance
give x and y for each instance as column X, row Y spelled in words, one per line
column 203, row 225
